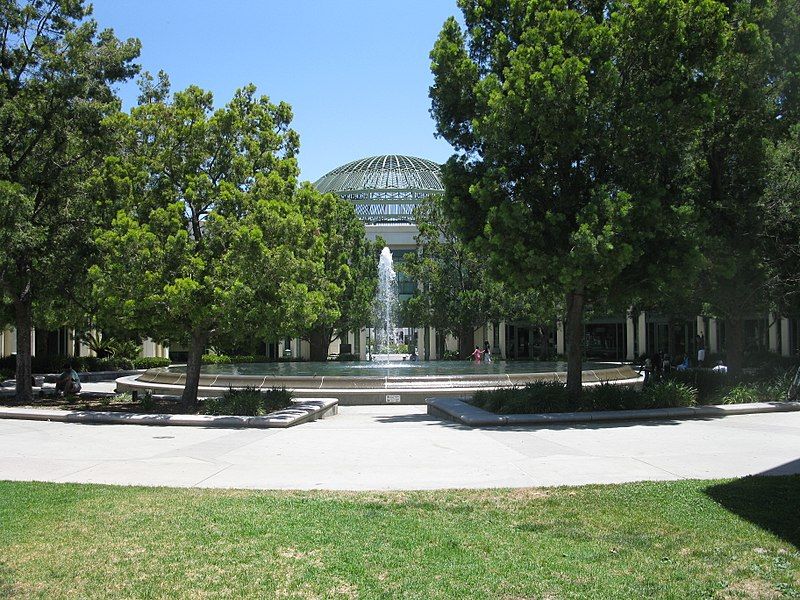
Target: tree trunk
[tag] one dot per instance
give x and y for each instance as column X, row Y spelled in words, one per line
column 23, row 313
column 466, row 341
column 197, row 345
column 574, row 334
column 319, row 341
column 734, row 342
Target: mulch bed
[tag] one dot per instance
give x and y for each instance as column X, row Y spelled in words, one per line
column 89, row 403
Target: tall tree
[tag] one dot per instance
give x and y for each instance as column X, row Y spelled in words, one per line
column 755, row 102
column 457, row 292
column 349, row 277
column 56, row 76
column 781, row 213
column 212, row 242
column 571, row 119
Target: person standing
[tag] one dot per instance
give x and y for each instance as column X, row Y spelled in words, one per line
column 476, row 355
column 701, row 350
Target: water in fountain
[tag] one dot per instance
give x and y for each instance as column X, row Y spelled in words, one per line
column 385, row 305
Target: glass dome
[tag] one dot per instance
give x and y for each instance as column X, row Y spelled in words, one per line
column 384, row 188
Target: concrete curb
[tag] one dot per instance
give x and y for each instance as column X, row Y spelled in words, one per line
column 302, row 412
column 462, row 412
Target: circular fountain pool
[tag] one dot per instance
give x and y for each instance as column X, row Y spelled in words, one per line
column 404, row 382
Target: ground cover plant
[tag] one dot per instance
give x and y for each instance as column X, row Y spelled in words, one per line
column 552, row 397
column 249, row 402
column 768, row 383
column 679, row 388
column 684, row 539
column 144, row 403
column 242, row 402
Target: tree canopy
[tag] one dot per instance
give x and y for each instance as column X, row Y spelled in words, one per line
column 457, row 293
column 211, row 240
column 571, row 120
column 754, row 104
column 57, row 72
column 349, row 276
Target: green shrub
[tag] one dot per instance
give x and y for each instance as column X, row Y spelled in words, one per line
column 146, row 402
column 224, row 359
column 150, row 362
column 248, row 402
column 608, row 396
column 215, row 359
column 759, row 389
column 536, row 397
column 708, row 383
column 741, row 393
column 348, row 357
column 668, row 394
column 551, row 397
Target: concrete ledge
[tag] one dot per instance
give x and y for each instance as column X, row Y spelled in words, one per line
column 462, row 412
column 302, row 412
column 389, row 392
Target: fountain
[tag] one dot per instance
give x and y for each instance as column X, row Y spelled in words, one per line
column 379, row 382
column 385, row 305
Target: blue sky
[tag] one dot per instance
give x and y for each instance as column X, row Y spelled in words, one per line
column 356, row 73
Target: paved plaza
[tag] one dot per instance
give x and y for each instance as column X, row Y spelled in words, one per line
column 399, row 447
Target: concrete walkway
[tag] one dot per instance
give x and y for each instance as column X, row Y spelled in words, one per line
column 399, row 447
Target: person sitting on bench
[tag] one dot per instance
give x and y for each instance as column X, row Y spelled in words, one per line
column 68, row 383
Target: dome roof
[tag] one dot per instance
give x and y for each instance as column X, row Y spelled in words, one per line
column 384, row 188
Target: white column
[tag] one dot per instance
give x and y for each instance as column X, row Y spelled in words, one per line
column 629, row 337
column 774, row 327
column 502, row 326
column 785, row 350
column 701, row 327
column 146, row 348
column 10, row 336
column 642, row 333
column 33, row 341
column 560, row 337
column 362, row 336
column 713, row 339
column 432, row 336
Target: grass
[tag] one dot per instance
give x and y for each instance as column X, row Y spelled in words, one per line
column 687, row 539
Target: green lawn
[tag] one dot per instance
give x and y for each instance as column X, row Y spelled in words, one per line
column 668, row 540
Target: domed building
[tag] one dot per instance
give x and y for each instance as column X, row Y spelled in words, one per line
column 385, row 189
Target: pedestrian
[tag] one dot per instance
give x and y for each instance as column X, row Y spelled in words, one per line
column 701, row 350
column 487, row 352
column 476, row 355
column 68, row 383
column 658, row 364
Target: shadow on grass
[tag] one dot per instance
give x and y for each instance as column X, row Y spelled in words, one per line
column 769, row 500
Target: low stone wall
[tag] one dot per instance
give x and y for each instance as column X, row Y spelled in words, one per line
column 302, row 411
column 458, row 410
column 368, row 390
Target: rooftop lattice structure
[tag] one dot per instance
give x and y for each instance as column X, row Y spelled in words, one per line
column 384, row 189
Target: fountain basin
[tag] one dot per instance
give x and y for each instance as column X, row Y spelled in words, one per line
column 369, row 383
